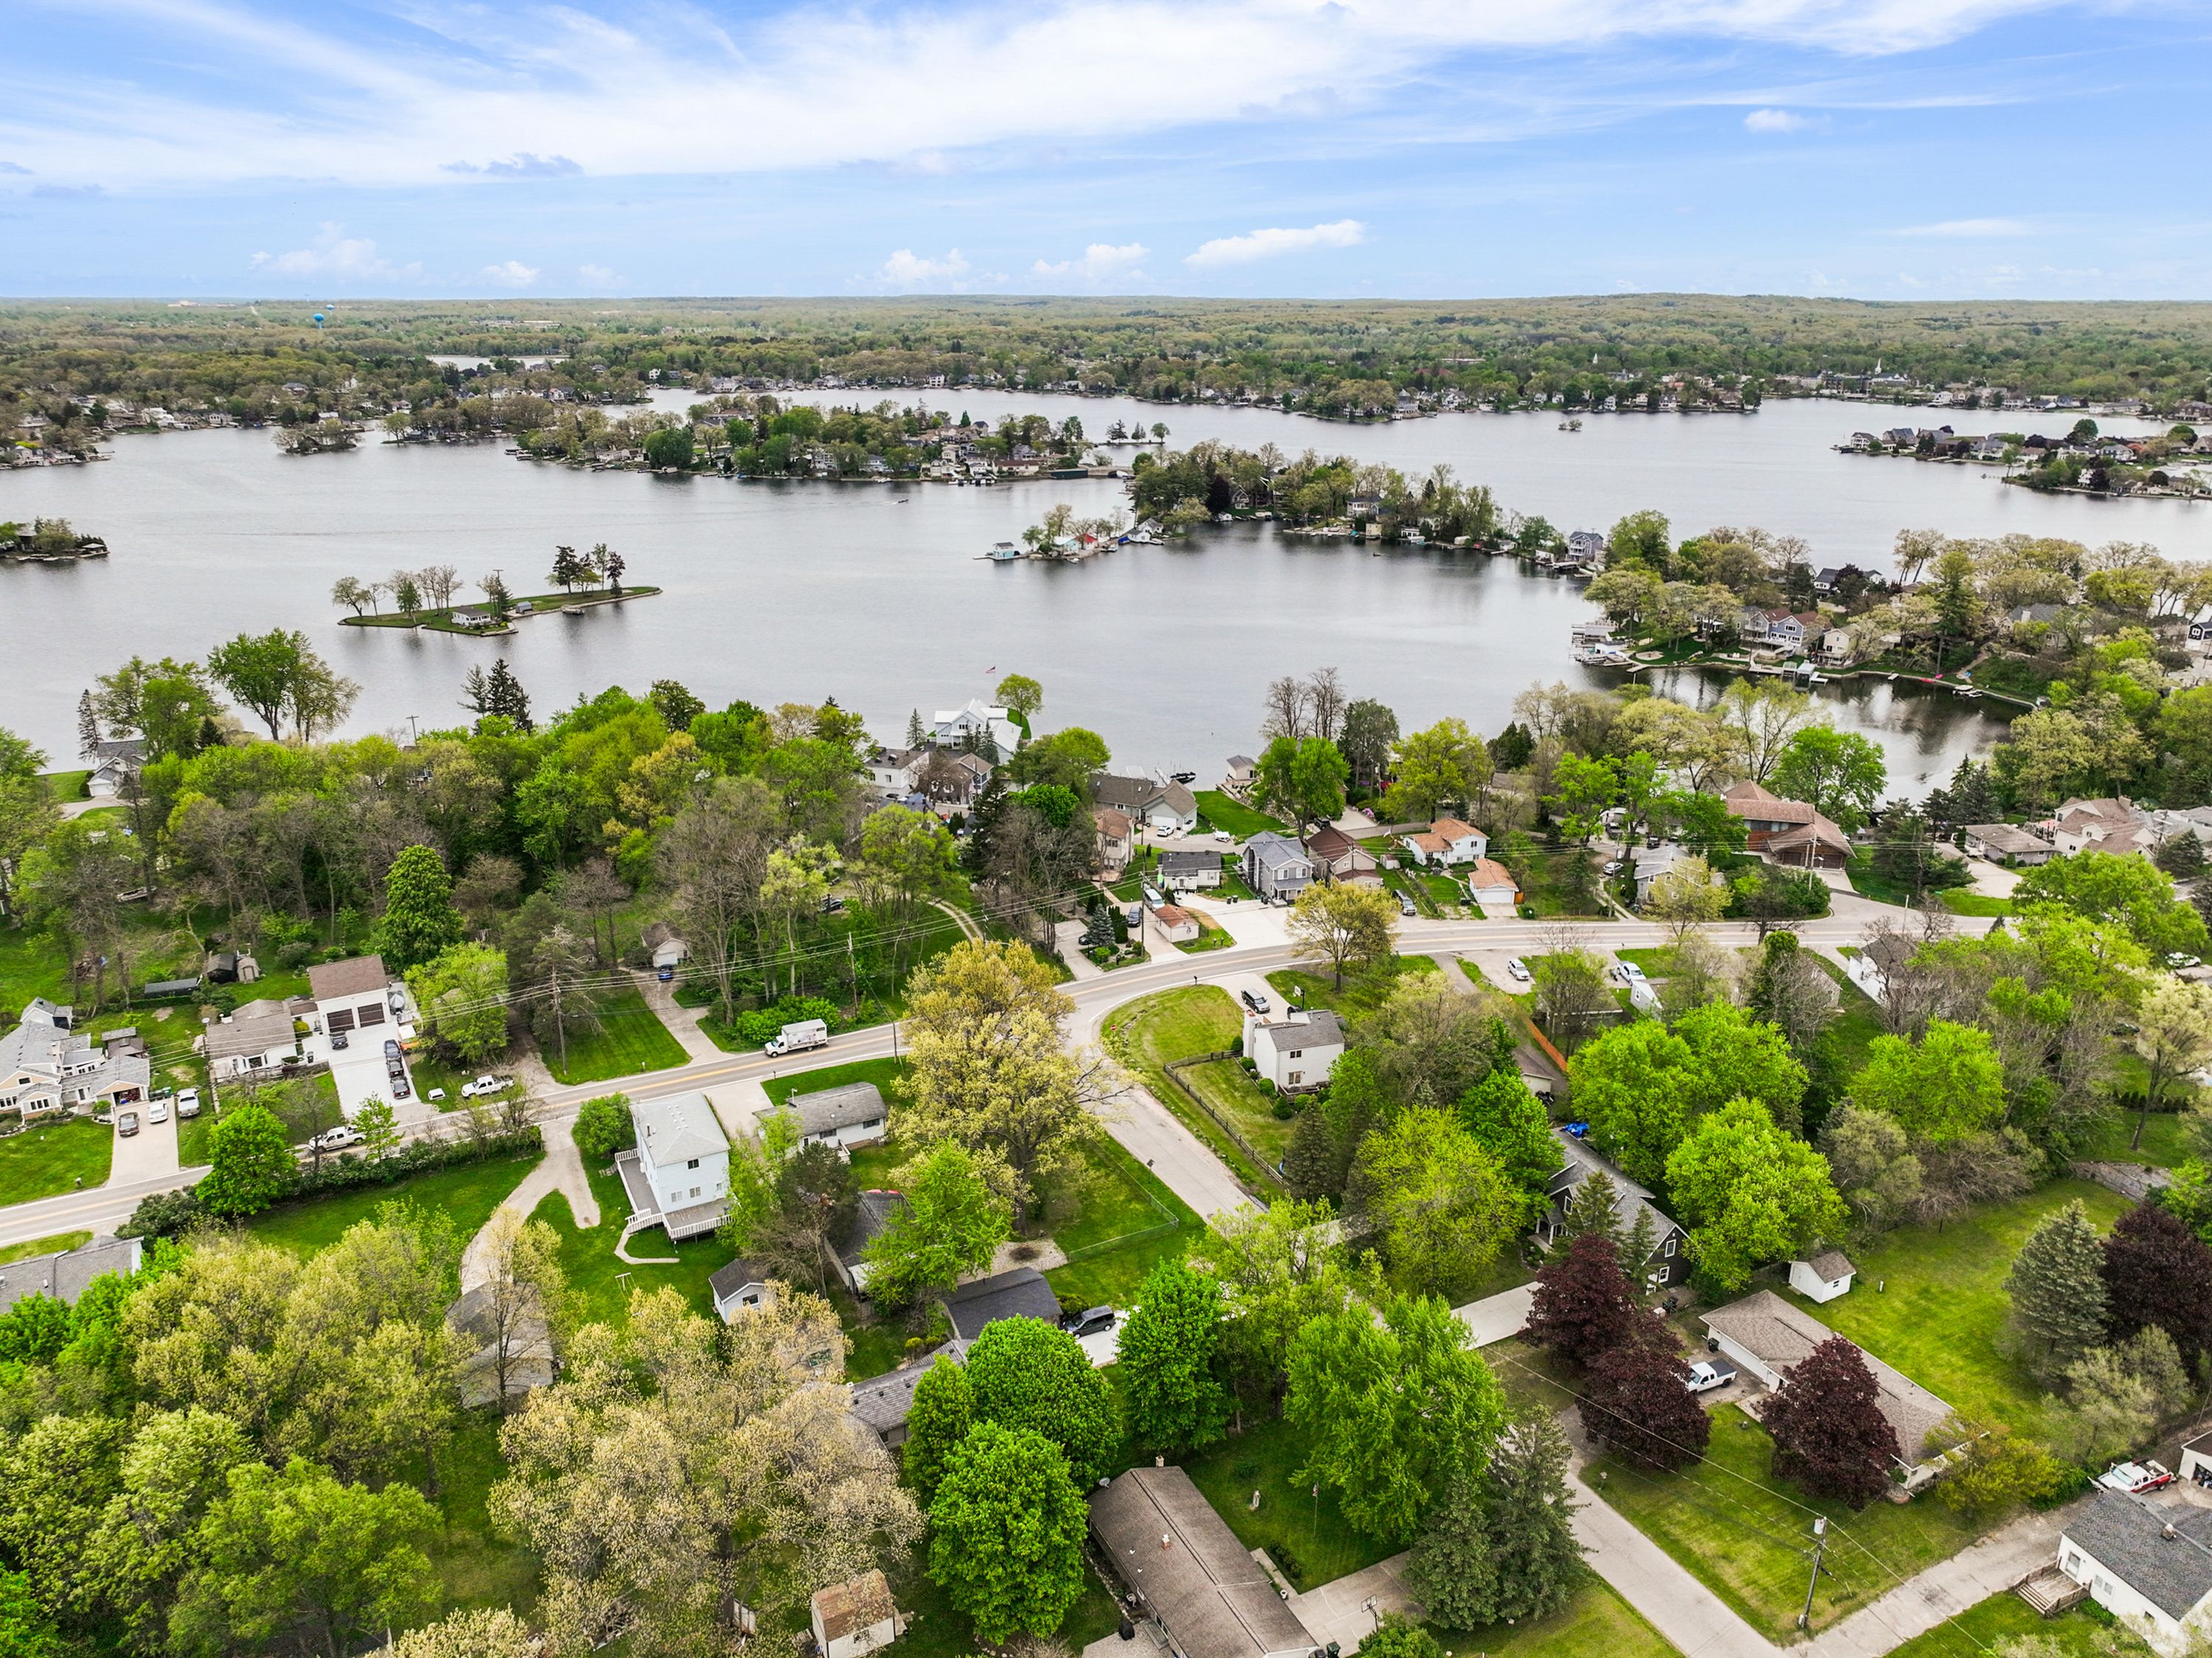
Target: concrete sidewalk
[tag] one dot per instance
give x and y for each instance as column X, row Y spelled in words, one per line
column 1671, row 1600
column 1498, row 1317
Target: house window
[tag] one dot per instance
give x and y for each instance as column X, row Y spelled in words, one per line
column 695, row 1191
column 694, row 1163
column 1296, row 1076
column 1297, row 1053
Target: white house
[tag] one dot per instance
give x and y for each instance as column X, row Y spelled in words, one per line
column 1447, row 842
column 678, row 1176
column 1298, row 1051
column 357, row 994
column 855, row 1617
column 1241, row 767
column 1187, row 872
column 1177, row 925
column 1168, row 808
column 46, row 1066
column 2149, row 1565
column 740, row 1284
column 2006, row 842
column 1825, row 1277
column 954, row 727
column 854, row 1115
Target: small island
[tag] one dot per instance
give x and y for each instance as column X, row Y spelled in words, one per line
column 47, row 541
column 426, row 598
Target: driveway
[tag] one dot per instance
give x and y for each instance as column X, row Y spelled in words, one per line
column 148, row 1154
column 358, row 1072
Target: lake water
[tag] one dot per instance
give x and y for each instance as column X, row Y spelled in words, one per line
column 783, row 591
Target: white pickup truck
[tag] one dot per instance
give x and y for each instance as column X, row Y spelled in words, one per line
column 1709, row 1373
column 796, row 1039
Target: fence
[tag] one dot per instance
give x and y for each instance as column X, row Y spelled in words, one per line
column 1175, row 1070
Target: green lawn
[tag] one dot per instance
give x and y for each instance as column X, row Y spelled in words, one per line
column 1975, row 1632
column 541, row 604
column 475, row 1566
column 2162, row 1140
column 630, row 1040
column 1122, row 1228
column 1219, row 811
column 597, row 1275
column 936, row 1630
column 60, row 1242
column 1210, row 937
column 1748, row 1536
column 55, row 1157
column 1241, row 1101
column 887, row 1074
column 1174, row 1025
column 1308, row 1536
column 1550, row 888
column 1360, row 992
column 1858, row 1019
column 1595, row 1624
column 67, row 785
column 1868, row 883
column 466, row 1195
column 1933, row 1303
column 1962, row 903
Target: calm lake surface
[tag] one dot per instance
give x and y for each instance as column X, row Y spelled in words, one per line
column 783, row 591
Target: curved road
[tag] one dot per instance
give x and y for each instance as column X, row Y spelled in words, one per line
column 1147, row 1128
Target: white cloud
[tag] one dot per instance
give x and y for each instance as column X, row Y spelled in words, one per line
column 509, row 273
column 1102, row 262
column 1966, row 229
column 907, row 272
column 597, row 276
column 1776, row 121
column 333, row 254
column 1272, row 244
column 13, row 166
column 557, row 88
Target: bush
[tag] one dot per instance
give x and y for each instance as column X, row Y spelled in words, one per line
column 754, row 1029
column 351, row 1172
column 1285, row 1109
column 163, row 1215
column 603, row 1126
column 1236, row 1046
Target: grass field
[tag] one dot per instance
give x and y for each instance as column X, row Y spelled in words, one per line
column 60, row 1242
column 2162, row 1140
column 1122, row 1230
column 58, row 1157
column 1210, row 937
column 1933, row 1303
column 1360, row 992
column 1748, row 1536
column 886, row 1073
column 1308, row 1536
column 600, row 1280
column 630, row 1040
column 1979, row 1629
column 1174, row 1025
column 476, row 1567
column 541, row 604
column 1219, row 811
column 1595, row 1624
column 1241, row 1101
column 1961, row 903
column 466, row 1195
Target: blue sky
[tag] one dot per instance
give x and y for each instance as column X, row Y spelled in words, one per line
column 1885, row 150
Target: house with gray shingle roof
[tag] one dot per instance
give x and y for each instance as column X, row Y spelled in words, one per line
column 2150, row 1566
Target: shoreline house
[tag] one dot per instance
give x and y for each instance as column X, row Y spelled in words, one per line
column 678, row 1176
column 1768, row 1336
column 977, row 724
column 1208, row 1594
column 1336, row 856
column 1276, row 866
column 45, row 1065
column 2006, row 842
column 2147, row 1564
column 1788, row 831
column 116, row 762
column 1189, row 872
column 1779, row 629
column 1298, row 1051
column 1242, row 768
column 2109, row 824
column 1166, row 809
column 1635, row 1210
column 1447, row 843
column 1117, row 836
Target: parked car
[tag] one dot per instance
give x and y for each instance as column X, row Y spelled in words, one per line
column 126, row 1125
column 1615, row 866
column 1223, row 836
column 338, row 1042
column 1631, row 973
column 337, row 1139
column 391, row 1049
column 1087, row 1323
column 1256, row 1002
column 400, row 1089
column 1709, row 1373
column 1405, row 905
column 158, row 1111
column 1519, row 969
column 833, row 905
column 2182, row 959
column 435, row 1093
column 481, row 1086
column 664, row 974
column 2134, row 1477
column 188, row 1103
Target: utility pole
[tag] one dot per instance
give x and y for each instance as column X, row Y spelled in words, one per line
column 1819, row 1546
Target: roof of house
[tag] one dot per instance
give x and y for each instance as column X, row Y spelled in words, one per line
column 1330, row 841
column 677, row 1129
column 1319, row 1029
column 1139, row 795
column 1781, row 1334
column 873, row 1210
column 726, row 1281
column 1888, row 951
column 1170, row 1546
column 1453, row 829
column 1111, row 822
column 1244, row 761
column 2009, row 838
column 1831, row 1265
column 474, row 1315
column 1201, row 860
column 358, row 975
column 1271, row 849
column 1748, row 800
column 1489, row 872
column 856, row 1604
column 883, row 1402
column 1631, row 1199
column 2128, row 1536
column 1022, row 1293
column 1174, row 915
column 827, row 1110
column 1820, row 831
column 1426, row 841
column 66, row 1275
column 243, row 1034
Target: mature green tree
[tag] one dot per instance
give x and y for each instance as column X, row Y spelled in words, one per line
column 27, row 1630
column 1020, row 696
column 251, row 1163
column 1279, row 1271
column 1583, row 788
column 1370, row 731
column 1502, row 1550
column 1392, row 1410
column 1873, row 1165
column 419, row 921
column 1510, row 1122
column 1839, row 773
column 1007, row 1531
column 952, row 1223
column 1435, row 1200
column 1169, row 1361
column 279, row 674
column 1594, row 1211
column 2057, row 1290
column 1429, row 1044
column 2120, row 888
column 1572, row 996
column 1444, row 768
column 295, row 1557
column 1642, row 540
column 1750, row 1193
column 1301, row 779
column 1733, row 1054
column 1948, row 1085
column 669, row 446
column 1631, row 1085
column 1343, row 925
column 1311, row 1167
column 1397, row 1636
column 604, row 1127
column 944, row 1410
column 462, row 997
column 1024, row 1373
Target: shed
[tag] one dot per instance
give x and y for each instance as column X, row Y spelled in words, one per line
column 740, row 1284
column 1825, row 1277
column 854, row 1617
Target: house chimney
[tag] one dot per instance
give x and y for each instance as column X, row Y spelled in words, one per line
column 1159, row 1462
column 1167, row 1539
column 2167, row 1531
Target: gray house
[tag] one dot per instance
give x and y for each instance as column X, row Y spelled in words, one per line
column 852, row 1115
column 1022, row 1293
column 66, row 1275
column 1184, row 871
column 1633, row 1204
column 1276, row 866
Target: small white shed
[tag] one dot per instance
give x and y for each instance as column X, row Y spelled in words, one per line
column 1823, row 1277
column 855, row 1617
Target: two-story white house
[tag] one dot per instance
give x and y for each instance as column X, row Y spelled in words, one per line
column 357, row 996
column 1446, row 842
column 955, row 726
column 678, row 1176
column 1298, row 1051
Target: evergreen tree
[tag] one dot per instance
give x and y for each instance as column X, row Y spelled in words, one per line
column 1641, row 1242
column 2157, row 1273
column 88, row 726
column 1503, row 1549
column 1830, row 1436
column 1592, row 1210
column 1310, row 1165
column 1635, row 1404
column 2057, row 1290
column 916, row 737
column 566, row 572
column 943, row 1411
column 1170, row 1382
column 1584, row 1305
column 504, row 696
